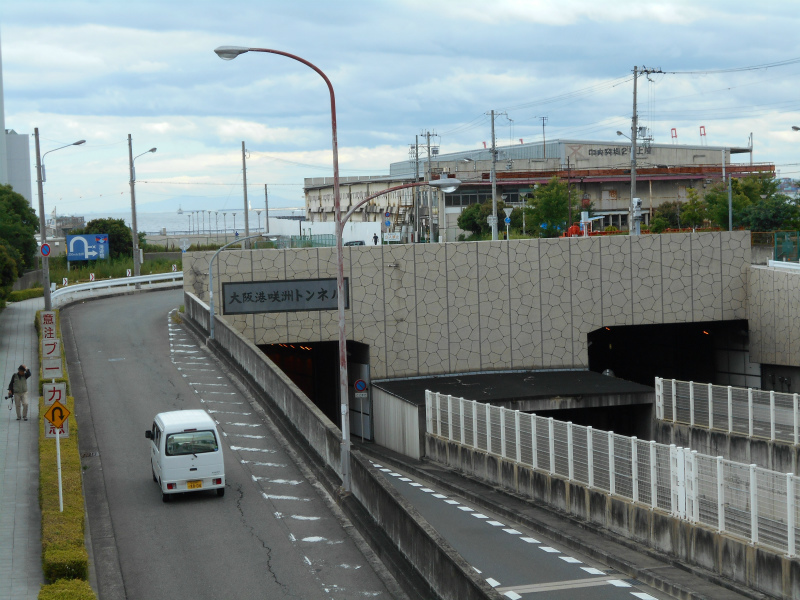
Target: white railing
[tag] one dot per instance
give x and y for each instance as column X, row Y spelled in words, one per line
column 63, row 294
column 745, row 501
column 754, row 413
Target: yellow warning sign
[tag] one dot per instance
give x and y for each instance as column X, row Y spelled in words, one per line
column 57, row 414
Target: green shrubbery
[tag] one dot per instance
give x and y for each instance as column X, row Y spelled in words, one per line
column 65, row 561
column 104, row 269
column 19, row 295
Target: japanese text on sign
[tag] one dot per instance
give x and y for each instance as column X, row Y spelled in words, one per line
column 281, row 296
column 54, row 392
column 618, row 151
column 51, row 348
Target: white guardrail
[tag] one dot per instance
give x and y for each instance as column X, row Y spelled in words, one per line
column 66, row 293
column 744, row 501
column 762, row 414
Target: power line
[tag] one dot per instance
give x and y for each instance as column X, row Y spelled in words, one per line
column 782, row 63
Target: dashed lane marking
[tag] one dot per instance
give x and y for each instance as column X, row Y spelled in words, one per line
column 244, row 449
column 548, row 549
column 592, row 571
column 279, row 497
column 569, row 559
column 530, row 540
column 492, row 582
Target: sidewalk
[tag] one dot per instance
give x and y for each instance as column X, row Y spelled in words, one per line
column 20, row 518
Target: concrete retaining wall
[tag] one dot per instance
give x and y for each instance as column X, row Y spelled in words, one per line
column 27, row 280
column 757, row 568
column 447, row 574
column 776, row 456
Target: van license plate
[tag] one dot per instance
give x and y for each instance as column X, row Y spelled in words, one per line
column 194, row 485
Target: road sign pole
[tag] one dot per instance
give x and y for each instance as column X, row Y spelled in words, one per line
column 58, row 460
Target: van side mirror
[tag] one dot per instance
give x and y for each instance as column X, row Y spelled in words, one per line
column 148, row 434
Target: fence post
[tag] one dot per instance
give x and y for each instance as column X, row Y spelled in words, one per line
column 461, row 417
column 710, row 407
column 571, row 470
column 796, row 420
column 790, row 520
column 590, row 454
column 449, row 417
column 720, row 494
column 438, row 415
column 635, row 469
column 612, row 475
column 534, row 449
column 503, row 432
column 753, row 505
column 518, row 437
column 730, row 409
column 428, row 412
column 474, row 424
column 691, row 403
column 772, row 415
column 488, row 429
column 750, row 411
column 674, row 403
column 653, row 475
column 695, row 491
column 659, row 398
column 551, row 431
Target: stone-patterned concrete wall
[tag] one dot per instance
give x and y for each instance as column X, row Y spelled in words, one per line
column 525, row 304
column 774, row 309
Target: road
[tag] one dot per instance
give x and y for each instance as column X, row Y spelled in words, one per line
column 515, row 562
column 274, row 534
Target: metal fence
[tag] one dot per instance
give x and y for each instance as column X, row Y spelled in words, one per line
column 306, row 241
column 746, row 501
column 755, row 413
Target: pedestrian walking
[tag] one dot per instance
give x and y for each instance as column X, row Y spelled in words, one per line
column 375, row 239
column 19, row 389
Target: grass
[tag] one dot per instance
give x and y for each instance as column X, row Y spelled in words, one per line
column 19, row 295
column 105, row 269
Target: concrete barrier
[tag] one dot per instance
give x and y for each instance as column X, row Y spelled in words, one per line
column 27, row 280
column 446, row 573
column 692, row 544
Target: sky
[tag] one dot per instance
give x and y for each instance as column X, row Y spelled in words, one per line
column 102, row 69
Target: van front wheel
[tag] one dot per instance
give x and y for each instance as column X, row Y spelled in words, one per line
column 220, row 492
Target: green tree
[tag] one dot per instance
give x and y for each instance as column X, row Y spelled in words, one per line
column 469, row 219
column 658, row 225
column 547, row 211
column 757, row 204
column 669, row 212
column 474, row 218
column 771, row 214
column 8, row 269
column 694, row 211
column 18, row 224
column 120, row 238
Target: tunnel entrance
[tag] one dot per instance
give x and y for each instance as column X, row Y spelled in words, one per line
column 314, row 368
column 713, row 352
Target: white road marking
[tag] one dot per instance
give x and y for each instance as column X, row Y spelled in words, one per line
column 404, row 479
column 260, row 464
column 479, row 516
column 377, row 466
column 315, row 538
column 512, row 595
column 592, row 571
column 220, row 401
column 569, row 559
column 452, row 501
column 492, row 582
column 277, row 497
column 395, row 474
column 302, row 518
column 244, row 424
column 284, row 481
column 548, row 549
column 414, row 484
column 477, row 570
column 244, row 449
column 495, row 523
column 208, row 384
column 440, row 496
column 618, row 583
column 530, row 540
column 465, row 508
column 512, row 531
column 220, row 393
column 643, row 596
column 248, row 435
column 308, row 562
column 223, row 412
column 386, row 470
column 428, row 490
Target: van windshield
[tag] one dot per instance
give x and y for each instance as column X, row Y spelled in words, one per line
column 191, row 442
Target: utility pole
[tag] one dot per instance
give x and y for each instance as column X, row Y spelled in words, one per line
column 544, row 140
column 134, row 230
column 42, row 223
column 634, row 128
column 569, row 196
column 417, row 195
column 494, row 184
column 430, row 197
column 246, row 207
column 266, row 209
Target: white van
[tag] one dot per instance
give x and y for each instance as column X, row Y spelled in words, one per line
column 185, row 453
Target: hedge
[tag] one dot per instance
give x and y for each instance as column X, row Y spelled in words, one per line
column 67, row 589
column 19, row 295
column 65, row 561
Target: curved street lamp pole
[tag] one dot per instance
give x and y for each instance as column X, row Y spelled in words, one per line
column 40, row 178
column 137, row 266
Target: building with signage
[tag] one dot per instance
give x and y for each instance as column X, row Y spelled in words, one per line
column 599, row 171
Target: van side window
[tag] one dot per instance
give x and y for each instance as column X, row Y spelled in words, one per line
column 191, row 442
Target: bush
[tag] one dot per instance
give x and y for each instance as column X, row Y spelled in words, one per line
column 67, row 589
column 25, row 294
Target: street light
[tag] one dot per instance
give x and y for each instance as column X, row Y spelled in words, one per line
column 795, row 128
column 229, row 53
column 40, row 177
column 134, row 230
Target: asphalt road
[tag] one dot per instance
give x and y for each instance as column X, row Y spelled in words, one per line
column 515, row 562
column 274, row 534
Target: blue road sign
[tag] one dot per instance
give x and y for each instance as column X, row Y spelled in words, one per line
column 90, row 246
column 388, row 223
column 45, row 249
column 507, row 220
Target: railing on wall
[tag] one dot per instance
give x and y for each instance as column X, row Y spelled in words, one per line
column 755, row 413
column 745, row 501
column 65, row 293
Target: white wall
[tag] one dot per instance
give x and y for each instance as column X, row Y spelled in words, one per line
column 359, row 231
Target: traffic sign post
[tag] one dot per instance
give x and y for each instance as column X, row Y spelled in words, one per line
column 45, row 250
column 57, row 414
column 91, row 246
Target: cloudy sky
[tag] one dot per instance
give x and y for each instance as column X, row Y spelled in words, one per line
column 101, row 69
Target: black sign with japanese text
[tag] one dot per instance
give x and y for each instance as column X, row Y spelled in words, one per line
column 281, row 296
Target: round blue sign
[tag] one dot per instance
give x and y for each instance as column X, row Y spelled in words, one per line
column 45, row 249
column 388, row 223
column 360, row 385
column 507, row 220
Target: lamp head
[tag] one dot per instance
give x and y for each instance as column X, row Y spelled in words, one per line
column 152, row 149
column 79, row 142
column 620, row 133
column 448, row 186
column 795, row 128
column 230, row 52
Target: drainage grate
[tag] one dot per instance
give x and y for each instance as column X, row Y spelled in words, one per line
column 88, row 454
